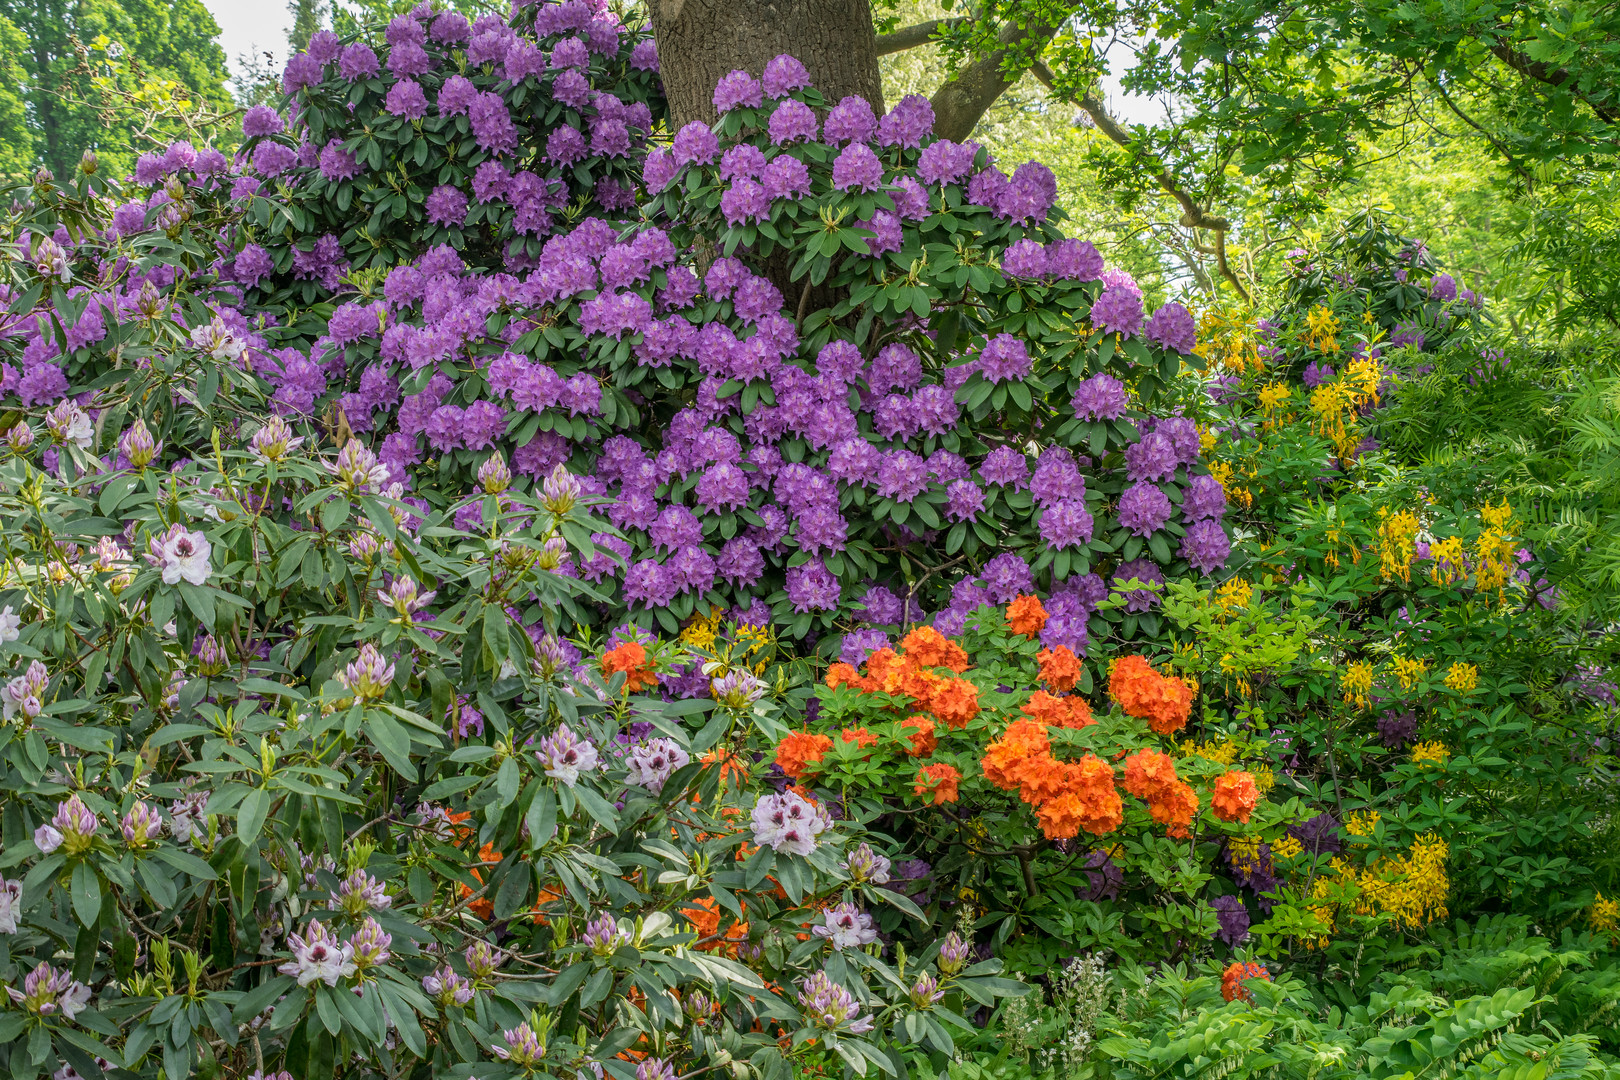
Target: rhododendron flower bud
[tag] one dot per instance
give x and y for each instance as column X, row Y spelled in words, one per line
column 46, row 992
column 953, row 953
column 925, row 992
column 274, row 440
column 447, row 987
column 211, row 658
column 603, row 936
column 141, row 826
column 359, row 893
column 363, row 547
column 552, row 553
column 493, row 475
column 68, row 423
column 370, row 944
column 72, row 828
column 357, row 469
column 402, row 596
column 369, row 676
column 559, row 490
column 26, row 693
column 483, row 960
column 738, row 688
column 830, row 1006
column 864, row 865
column 20, row 437
column 50, row 261
column 137, row 445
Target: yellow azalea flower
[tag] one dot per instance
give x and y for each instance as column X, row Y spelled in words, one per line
column 1462, row 677
column 1448, row 559
column 1287, row 847
column 1409, row 671
column 1234, row 595
column 1357, row 682
column 1397, row 542
column 1273, row 396
column 1604, row 915
column 1361, row 822
column 1429, row 753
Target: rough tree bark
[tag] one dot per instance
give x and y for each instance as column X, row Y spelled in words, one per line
column 701, row 40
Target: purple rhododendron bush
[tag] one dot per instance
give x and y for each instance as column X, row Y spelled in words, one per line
column 952, row 404
column 494, row 586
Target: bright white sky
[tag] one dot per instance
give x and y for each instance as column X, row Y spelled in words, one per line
column 251, row 26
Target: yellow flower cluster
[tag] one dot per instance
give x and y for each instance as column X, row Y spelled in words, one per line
column 1604, row 915
column 1397, row 542
column 1448, row 557
column 1357, row 681
column 1409, row 670
column 1225, row 475
column 1234, row 596
column 1361, row 822
column 1287, row 847
column 1364, row 376
column 1429, row 753
column 1411, row 887
column 700, row 632
column 1227, row 339
column 1462, row 677
column 1244, row 852
column 1493, row 554
column 1322, row 329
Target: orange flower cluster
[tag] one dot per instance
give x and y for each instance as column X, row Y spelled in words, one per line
column 1235, row 796
column 952, row 701
column 927, row 647
column 1066, row 712
column 1026, row 616
column 630, row 658
column 484, row 906
column 704, row 914
column 1164, row 701
column 1151, row 776
column 1232, row 988
column 924, row 741
column 936, row 784
column 1067, row 796
column 799, row 750
column 1060, row 668
column 1086, row 801
column 859, row 736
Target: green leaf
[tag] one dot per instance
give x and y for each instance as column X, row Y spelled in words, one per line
column 187, row 862
column 250, row 815
column 86, row 890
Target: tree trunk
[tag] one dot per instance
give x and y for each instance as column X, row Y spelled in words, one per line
column 699, row 41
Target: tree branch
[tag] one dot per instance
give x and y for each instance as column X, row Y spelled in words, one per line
column 909, row 37
column 963, row 99
column 1193, row 216
column 1561, row 78
column 1507, row 154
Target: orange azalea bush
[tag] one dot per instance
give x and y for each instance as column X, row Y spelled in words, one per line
column 976, row 749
